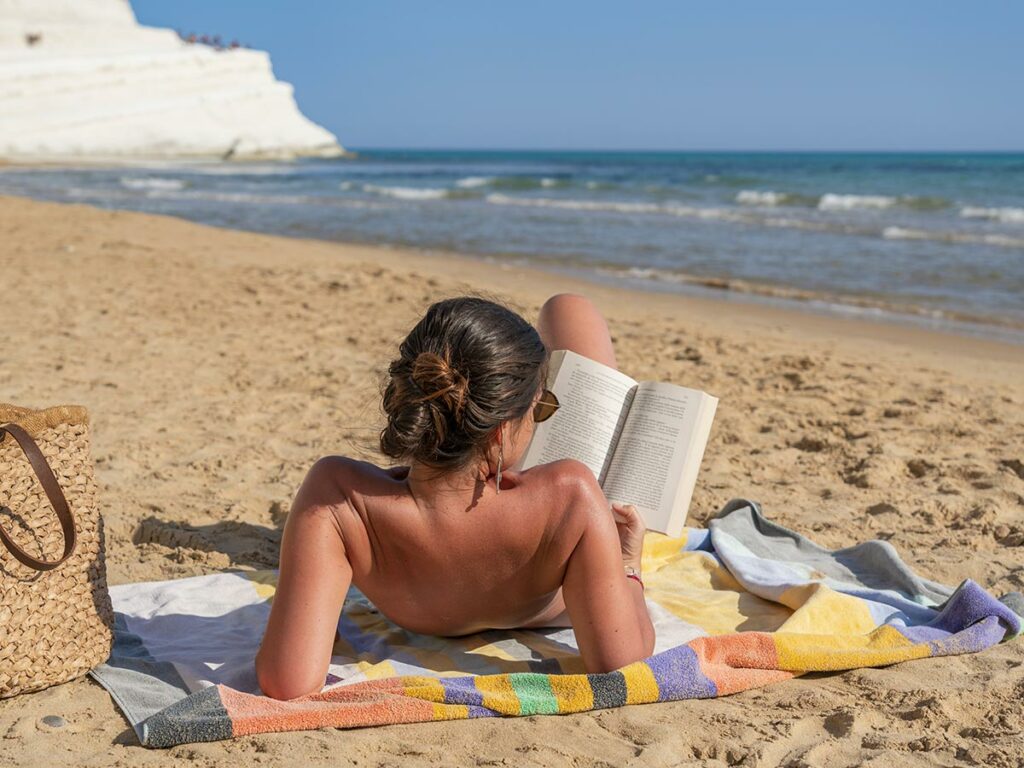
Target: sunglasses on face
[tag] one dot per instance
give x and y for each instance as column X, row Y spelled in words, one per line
column 545, row 407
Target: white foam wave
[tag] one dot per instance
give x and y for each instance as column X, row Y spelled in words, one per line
column 249, row 198
column 228, row 197
column 548, row 182
column 1006, row 215
column 749, row 217
column 236, row 169
column 758, row 197
column 812, row 226
column 1003, row 240
column 345, row 186
column 834, row 202
column 573, row 205
column 670, row 209
column 473, row 182
column 909, row 233
column 407, row 193
column 905, row 233
column 151, row 183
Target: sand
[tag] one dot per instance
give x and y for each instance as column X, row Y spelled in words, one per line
column 219, row 365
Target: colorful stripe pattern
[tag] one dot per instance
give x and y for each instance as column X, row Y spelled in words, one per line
column 184, row 677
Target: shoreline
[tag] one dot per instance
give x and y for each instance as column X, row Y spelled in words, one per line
column 740, row 314
column 734, row 290
column 789, row 306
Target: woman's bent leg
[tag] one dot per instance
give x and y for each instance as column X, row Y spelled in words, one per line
column 571, row 321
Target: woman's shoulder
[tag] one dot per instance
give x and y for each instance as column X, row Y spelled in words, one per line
column 354, row 486
column 342, row 483
column 568, row 490
column 565, row 474
column 344, row 471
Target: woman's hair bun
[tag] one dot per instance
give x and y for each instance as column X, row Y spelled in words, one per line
column 467, row 366
column 439, row 380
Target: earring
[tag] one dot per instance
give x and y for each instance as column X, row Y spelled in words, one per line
column 501, row 451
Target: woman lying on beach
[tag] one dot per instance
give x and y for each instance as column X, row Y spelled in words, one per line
column 456, row 542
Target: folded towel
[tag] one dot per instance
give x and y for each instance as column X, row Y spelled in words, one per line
column 739, row 605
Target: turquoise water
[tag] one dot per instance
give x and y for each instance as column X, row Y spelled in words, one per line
column 939, row 237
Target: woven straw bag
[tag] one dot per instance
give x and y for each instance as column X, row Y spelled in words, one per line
column 55, row 616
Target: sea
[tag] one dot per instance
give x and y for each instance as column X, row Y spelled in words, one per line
column 934, row 239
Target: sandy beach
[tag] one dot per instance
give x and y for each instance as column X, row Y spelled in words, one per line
column 218, row 365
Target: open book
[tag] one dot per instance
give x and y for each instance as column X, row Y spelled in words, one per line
column 642, row 440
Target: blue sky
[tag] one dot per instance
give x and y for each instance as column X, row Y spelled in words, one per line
column 563, row 74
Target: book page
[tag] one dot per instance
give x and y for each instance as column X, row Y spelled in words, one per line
column 698, row 442
column 593, row 402
column 652, row 451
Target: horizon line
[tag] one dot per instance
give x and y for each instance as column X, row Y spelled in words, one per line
column 356, row 149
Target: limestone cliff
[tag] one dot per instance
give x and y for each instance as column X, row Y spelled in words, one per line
column 82, row 80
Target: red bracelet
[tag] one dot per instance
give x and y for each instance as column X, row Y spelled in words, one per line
column 631, row 573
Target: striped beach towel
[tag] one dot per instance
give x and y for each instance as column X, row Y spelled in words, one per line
column 739, row 605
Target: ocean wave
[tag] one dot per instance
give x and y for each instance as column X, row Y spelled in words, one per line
column 1003, row 240
column 408, row 193
column 665, row 209
column 770, row 198
column 207, row 168
column 757, row 197
column 615, row 207
column 909, row 233
column 129, row 182
column 785, row 222
column 906, row 233
column 834, row 202
column 669, row 208
column 228, row 197
column 1005, row 215
column 249, row 198
column 753, row 219
column 474, row 182
column 524, row 183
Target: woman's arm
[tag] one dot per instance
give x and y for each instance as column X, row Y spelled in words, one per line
column 631, row 530
column 608, row 612
column 314, row 578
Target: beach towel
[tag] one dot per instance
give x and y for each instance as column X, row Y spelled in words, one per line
column 738, row 605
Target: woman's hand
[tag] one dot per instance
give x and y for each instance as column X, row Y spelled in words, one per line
column 631, row 533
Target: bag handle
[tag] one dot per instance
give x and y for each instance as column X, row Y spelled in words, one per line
column 53, row 492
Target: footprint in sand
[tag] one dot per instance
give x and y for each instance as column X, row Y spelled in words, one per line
column 882, row 508
column 1014, row 465
column 810, row 444
column 919, row 467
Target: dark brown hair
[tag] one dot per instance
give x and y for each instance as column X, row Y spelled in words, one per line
column 467, row 366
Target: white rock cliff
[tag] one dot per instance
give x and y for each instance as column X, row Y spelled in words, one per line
column 82, row 80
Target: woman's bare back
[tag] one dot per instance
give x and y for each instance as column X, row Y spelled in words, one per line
column 464, row 564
